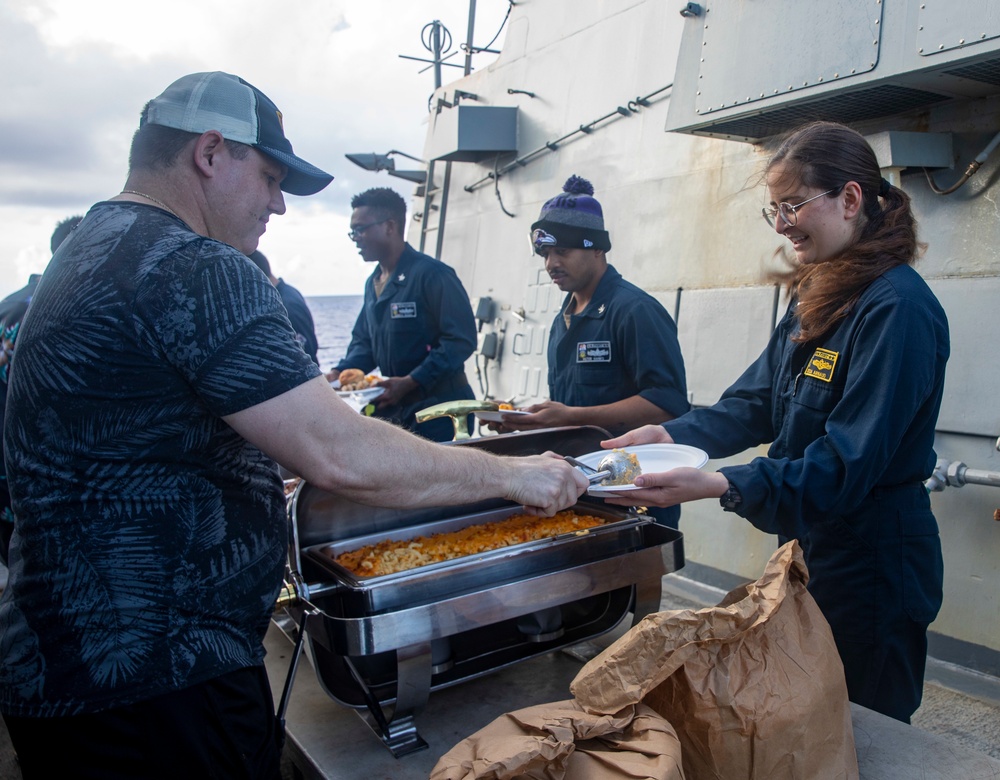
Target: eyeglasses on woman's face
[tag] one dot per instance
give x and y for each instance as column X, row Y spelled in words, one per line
column 788, row 212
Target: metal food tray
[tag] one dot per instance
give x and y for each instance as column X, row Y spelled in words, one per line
column 432, row 582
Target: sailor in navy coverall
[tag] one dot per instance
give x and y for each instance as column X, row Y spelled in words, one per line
column 850, row 408
column 852, row 426
column 416, row 325
column 623, row 344
column 613, row 356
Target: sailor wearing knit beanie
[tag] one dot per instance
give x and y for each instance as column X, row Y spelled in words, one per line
column 573, row 219
column 613, row 356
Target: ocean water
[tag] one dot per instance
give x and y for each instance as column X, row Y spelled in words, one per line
column 333, row 316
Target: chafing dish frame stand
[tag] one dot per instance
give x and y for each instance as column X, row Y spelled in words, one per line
column 396, row 728
column 395, row 723
column 393, row 718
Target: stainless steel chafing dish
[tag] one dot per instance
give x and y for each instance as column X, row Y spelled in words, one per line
column 381, row 644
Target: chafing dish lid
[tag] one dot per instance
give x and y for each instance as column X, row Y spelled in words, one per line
column 320, row 516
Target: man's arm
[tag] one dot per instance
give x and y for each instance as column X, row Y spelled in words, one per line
column 648, row 341
column 629, row 413
column 312, row 433
column 448, row 302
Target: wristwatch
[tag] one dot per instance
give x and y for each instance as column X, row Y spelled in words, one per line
column 731, row 499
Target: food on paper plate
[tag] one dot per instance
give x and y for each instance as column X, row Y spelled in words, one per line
column 351, row 375
column 390, row 556
column 353, row 379
column 506, row 407
column 624, row 467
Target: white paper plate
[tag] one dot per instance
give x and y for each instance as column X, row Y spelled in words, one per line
column 362, row 395
column 499, row 417
column 653, row 458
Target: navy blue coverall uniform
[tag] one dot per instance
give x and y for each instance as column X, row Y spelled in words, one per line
column 422, row 326
column 300, row 318
column 851, row 419
column 623, row 344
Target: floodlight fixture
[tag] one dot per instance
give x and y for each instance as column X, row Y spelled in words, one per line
column 384, row 162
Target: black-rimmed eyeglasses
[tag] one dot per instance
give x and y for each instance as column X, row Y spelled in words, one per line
column 787, row 211
column 356, row 232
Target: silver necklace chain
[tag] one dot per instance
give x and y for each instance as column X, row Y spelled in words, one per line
column 150, row 198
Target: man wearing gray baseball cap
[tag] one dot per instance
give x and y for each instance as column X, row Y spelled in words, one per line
column 239, row 112
column 157, row 384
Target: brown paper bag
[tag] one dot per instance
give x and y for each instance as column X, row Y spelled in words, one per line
column 561, row 741
column 754, row 687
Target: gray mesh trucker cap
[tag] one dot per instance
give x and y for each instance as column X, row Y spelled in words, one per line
column 239, row 111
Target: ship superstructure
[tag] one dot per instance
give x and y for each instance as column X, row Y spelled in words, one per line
column 670, row 109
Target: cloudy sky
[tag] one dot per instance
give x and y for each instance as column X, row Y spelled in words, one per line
column 74, row 75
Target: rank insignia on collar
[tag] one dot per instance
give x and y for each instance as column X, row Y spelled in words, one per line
column 821, row 365
column 600, row 309
column 401, row 278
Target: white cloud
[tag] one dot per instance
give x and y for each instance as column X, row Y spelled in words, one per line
column 75, row 75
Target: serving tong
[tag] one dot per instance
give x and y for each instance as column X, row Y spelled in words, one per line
column 593, row 475
column 614, row 464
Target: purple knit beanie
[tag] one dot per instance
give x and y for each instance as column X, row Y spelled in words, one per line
column 572, row 219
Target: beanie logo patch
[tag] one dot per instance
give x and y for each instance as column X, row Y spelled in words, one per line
column 593, row 352
column 587, row 243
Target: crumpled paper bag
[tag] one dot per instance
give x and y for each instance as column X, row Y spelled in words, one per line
column 561, row 741
column 754, row 687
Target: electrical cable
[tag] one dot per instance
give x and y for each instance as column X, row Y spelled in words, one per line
column 496, row 187
column 974, row 166
column 510, row 5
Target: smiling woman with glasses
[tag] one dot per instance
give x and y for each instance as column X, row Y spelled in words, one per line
column 847, row 393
